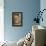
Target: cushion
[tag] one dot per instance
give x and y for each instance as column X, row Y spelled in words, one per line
column 20, row 42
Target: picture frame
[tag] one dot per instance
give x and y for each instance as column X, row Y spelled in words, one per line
column 17, row 19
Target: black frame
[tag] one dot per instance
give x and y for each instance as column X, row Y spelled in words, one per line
column 13, row 14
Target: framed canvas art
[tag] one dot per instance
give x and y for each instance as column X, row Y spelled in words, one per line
column 17, row 19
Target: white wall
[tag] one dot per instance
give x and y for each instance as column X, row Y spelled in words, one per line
column 1, row 21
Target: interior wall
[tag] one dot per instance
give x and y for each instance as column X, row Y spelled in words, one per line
column 29, row 9
column 1, row 21
column 43, row 6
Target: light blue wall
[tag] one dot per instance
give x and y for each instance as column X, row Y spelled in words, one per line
column 28, row 7
column 43, row 6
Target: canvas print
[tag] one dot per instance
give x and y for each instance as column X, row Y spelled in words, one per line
column 16, row 18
